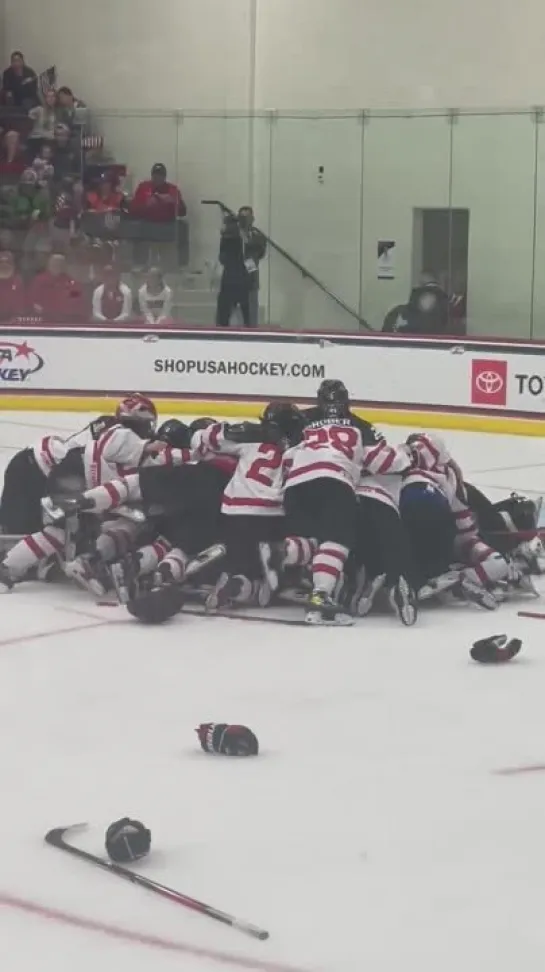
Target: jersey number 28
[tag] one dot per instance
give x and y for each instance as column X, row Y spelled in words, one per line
column 343, row 439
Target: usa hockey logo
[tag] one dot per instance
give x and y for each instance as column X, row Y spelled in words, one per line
column 18, row 361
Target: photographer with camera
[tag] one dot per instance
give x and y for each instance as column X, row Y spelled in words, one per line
column 242, row 247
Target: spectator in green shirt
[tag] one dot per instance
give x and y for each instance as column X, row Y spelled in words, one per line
column 27, row 204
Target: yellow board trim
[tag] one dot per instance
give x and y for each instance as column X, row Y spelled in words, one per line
column 462, row 421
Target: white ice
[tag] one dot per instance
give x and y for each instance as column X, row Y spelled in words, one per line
column 373, row 833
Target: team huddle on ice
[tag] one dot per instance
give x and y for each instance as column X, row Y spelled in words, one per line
column 310, row 503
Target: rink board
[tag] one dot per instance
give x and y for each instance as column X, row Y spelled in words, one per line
column 446, row 383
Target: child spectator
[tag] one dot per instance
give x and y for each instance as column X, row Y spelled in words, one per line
column 43, row 166
column 107, row 197
column 20, row 83
column 156, row 199
column 44, row 119
column 12, row 293
column 112, row 300
column 11, row 154
column 55, row 296
column 155, row 299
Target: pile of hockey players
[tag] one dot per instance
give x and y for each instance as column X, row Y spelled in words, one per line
column 310, row 504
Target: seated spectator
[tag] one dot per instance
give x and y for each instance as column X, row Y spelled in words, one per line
column 27, row 205
column 55, row 296
column 155, row 299
column 66, row 159
column 12, row 292
column 156, row 199
column 44, row 118
column 11, row 154
column 107, row 197
column 20, row 83
column 43, row 166
column 67, row 105
column 112, row 300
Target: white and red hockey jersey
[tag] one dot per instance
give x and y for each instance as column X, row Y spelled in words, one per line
column 385, row 489
column 432, row 463
column 256, row 486
column 117, row 452
column 339, row 450
column 49, row 452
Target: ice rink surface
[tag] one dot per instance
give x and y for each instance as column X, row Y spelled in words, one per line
column 375, row 833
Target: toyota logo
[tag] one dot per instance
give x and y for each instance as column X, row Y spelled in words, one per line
column 489, row 382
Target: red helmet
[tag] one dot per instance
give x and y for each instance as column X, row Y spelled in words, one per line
column 137, row 412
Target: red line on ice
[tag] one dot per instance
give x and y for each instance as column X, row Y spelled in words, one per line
column 73, row 629
column 140, row 938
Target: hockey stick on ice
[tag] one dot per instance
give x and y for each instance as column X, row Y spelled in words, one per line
column 234, row 616
column 56, row 839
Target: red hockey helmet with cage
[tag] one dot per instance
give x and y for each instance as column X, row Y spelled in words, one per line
column 137, row 411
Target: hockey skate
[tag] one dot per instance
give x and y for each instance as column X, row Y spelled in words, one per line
column 520, row 577
column 271, row 556
column 468, row 590
column 229, row 589
column 403, row 600
column 6, row 580
column 124, row 574
column 439, row 585
column 363, row 597
column 323, row 610
column 89, row 574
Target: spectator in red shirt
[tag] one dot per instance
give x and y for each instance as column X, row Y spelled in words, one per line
column 55, row 296
column 112, row 300
column 156, row 199
column 106, row 197
column 12, row 294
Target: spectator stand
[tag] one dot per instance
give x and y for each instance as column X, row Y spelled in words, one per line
column 53, row 170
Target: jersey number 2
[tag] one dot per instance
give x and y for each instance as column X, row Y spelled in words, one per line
column 274, row 461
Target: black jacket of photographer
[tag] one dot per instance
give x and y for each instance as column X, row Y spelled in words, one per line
column 237, row 248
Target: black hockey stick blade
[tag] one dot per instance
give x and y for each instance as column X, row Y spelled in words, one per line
column 235, row 616
column 56, row 839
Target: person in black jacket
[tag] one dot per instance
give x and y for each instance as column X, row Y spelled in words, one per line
column 427, row 311
column 242, row 247
column 20, row 83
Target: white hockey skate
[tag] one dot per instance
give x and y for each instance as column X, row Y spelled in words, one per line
column 323, row 610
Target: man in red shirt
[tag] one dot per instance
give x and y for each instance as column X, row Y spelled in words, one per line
column 156, row 199
column 55, row 297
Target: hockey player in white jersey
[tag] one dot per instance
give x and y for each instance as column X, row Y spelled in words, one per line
column 382, row 555
column 26, row 482
column 120, row 446
column 437, row 478
column 320, row 497
column 252, row 507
